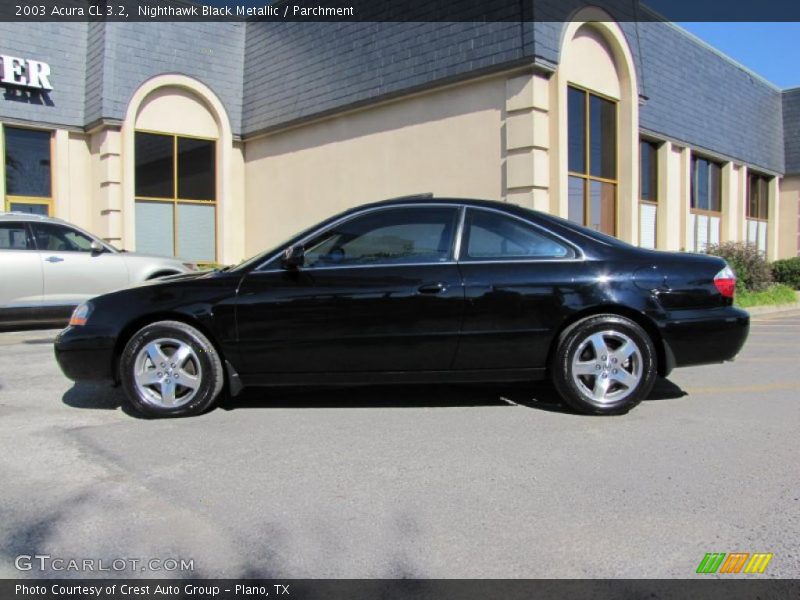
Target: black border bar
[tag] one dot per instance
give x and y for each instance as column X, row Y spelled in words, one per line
column 392, row 10
column 402, row 589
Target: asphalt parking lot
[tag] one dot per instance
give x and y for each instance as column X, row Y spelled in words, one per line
column 479, row 481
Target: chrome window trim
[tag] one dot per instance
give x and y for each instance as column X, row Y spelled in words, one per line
column 456, row 249
column 354, row 215
column 382, row 266
column 579, row 255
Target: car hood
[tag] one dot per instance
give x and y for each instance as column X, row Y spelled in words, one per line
column 151, row 257
column 177, row 278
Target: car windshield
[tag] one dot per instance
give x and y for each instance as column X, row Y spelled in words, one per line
column 262, row 256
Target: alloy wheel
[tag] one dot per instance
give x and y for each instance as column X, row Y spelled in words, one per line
column 607, row 367
column 167, row 373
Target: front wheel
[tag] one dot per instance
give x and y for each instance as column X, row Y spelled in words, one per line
column 604, row 364
column 170, row 369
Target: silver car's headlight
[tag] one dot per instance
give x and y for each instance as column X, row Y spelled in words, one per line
column 191, row 266
column 81, row 314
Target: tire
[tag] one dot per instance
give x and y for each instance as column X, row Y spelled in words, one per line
column 170, row 369
column 604, row 365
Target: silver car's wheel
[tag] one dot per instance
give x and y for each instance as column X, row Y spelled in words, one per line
column 167, row 373
column 607, row 366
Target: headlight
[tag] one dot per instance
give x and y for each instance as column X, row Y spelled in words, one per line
column 80, row 315
column 190, row 266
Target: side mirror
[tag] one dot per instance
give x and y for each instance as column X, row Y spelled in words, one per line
column 97, row 247
column 294, row 257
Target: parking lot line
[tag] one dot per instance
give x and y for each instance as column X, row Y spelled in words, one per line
column 746, row 389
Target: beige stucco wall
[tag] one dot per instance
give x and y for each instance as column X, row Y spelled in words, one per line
column 447, row 142
column 72, row 179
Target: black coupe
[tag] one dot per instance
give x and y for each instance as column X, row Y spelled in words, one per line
column 415, row 290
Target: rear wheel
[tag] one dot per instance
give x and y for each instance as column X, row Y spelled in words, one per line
column 604, row 364
column 170, row 369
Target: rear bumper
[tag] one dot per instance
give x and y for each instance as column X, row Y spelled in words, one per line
column 84, row 355
column 698, row 337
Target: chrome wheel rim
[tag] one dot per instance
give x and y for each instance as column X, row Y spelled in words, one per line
column 167, row 373
column 607, row 367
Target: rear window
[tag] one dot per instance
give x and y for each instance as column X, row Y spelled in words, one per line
column 13, row 236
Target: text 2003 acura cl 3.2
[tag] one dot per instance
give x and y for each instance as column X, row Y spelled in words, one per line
column 416, row 290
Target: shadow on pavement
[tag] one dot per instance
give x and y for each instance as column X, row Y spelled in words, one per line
column 98, row 397
column 540, row 396
column 664, row 389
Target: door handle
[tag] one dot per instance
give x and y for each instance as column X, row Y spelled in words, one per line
column 54, row 259
column 432, row 288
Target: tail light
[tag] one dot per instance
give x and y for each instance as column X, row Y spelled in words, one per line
column 725, row 281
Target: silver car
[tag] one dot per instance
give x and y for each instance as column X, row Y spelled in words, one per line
column 48, row 267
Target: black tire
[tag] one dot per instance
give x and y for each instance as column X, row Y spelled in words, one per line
column 584, row 392
column 186, row 360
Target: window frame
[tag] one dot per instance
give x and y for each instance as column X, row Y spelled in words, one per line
column 175, row 200
column 763, row 201
column 9, row 199
column 457, row 224
column 587, row 178
column 656, row 147
column 693, row 193
column 464, row 234
column 65, row 230
column 271, row 263
column 30, row 242
column 693, row 186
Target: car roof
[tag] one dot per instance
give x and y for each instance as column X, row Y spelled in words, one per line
column 429, row 198
column 23, row 216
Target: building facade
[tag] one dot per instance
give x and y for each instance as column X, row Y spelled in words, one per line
column 212, row 141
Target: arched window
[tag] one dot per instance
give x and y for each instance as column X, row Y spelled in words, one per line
column 598, row 126
column 175, row 174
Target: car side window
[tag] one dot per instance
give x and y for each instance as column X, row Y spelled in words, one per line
column 14, row 236
column 494, row 236
column 385, row 237
column 57, row 238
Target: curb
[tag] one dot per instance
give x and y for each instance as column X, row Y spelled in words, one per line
column 778, row 308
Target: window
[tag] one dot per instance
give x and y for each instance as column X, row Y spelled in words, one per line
column 592, row 160
column 176, row 196
column 757, row 197
column 60, row 239
column 13, row 236
column 706, row 203
column 648, row 193
column 387, row 237
column 706, row 185
column 757, row 210
column 28, row 170
column 492, row 236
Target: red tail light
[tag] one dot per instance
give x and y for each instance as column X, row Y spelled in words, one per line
column 725, row 281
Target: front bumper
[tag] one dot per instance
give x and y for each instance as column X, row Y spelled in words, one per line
column 699, row 337
column 85, row 355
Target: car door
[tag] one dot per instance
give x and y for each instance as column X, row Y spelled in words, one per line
column 72, row 271
column 21, row 267
column 379, row 291
column 518, row 278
